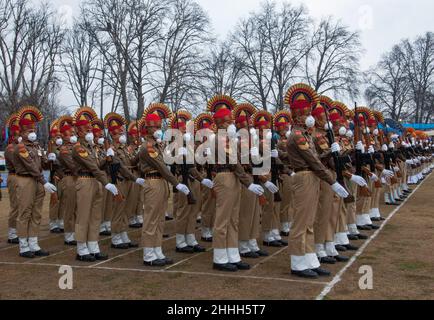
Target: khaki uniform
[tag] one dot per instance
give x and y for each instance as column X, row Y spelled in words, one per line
column 309, row 172
column 207, row 212
column 12, row 189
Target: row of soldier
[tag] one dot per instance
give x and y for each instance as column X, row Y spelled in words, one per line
column 329, row 167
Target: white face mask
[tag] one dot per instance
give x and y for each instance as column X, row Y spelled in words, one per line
column 288, row 134
column 142, row 139
column 32, row 137
column 253, row 132
column 269, row 135
column 310, row 122
column 59, row 142
column 367, row 131
column 20, row 139
column 349, row 134
column 123, row 139
column 188, row 137
column 328, row 126
column 101, row 141
column 376, row 132
column 158, row 134
column 89, row 137
column 342, row 131
column 232, row 131
column 73, row 139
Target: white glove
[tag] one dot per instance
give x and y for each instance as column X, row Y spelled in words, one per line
column 271, row 187
column 274, row 153
column 384, row 148
column 358, row 180
column 373, row 177
column 371, row 150
column 208, row 183
column 292, row 173
column 254, row 152
column 52, row 157
column 336, row 147
column 391, row 145
column 183, row 188
column 140, row 181
column 387, row 173
column 396, row 169
column 360, row 146
column 208, row 152
column 340, row 191
column 182, row 151
column 112, row 188
column 50, row 188
column 409, row 162
column 110, row 152
column 256, row 189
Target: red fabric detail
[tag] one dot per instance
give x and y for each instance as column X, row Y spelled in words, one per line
column 222, row 113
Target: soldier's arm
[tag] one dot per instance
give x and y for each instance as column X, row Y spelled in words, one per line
column 65, row 157
column 81, row 155
column 300, row 143
column 155, row 160
column 22, row 154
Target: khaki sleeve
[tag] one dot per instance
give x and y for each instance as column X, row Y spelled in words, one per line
column 155, row 160
column 81, row 155
column 22, row 155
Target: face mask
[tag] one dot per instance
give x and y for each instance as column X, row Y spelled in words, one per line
column 232, row 131
column 32, row 137
column 342, row 131
column 101, row 141
column 288, row 134
column 123, row 139
column 310, row 122
column 187, row 137
column 20, row 139
column 252, row 131
column 142, row 139
column 158, row 134
column 349, row 134
column 59, row 142
column 376, row 132
column 367, row 131
column 89, row 137
column 73, row 139
column 328, row 126
column 269, row 136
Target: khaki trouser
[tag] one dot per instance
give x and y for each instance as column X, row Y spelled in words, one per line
column 88, row 209
column 286, row 192
column 155, row 199
column 54, row 212
column 306, row 195
column 132, row 206
column 107, row 206
column 270, row 213
column 119, row 217
column 30, row 197
column 250, row 215
column 228, row 194
column 341, row 223
column 68, row 202
column 351, row 207
column 186, row 215
column 363, row 204
column 13, row 203
column 326, row 216
column 375, row 199
column 208, row 208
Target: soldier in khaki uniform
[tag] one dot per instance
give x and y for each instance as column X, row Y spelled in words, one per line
column 89, row 188
column 115, row 124
column 309, row 171
column 229, row 177
column 67, row 184
column 12, row 124
column 29, row 161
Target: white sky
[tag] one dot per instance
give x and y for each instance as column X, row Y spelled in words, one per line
column 382, row 23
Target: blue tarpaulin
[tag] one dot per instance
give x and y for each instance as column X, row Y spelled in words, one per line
column 419, row 126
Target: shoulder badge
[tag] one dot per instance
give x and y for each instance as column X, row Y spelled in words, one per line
column 23, row 151
column 151, row 150
column 302, row 143
column 82, row 152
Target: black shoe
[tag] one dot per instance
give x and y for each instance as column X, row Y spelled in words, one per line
column 99, row 256
column 198, row 221
column 62, row 230
column 55, row 230
column 322, row 272
column 362, row 236
column 155, row 263
column 166, row 236
column 283, row 242
column 71, row 243
column 392, row 204
column 41, row 253
column 187, row 249
column 305, row 274
column 262, row 253
column 327, row 260
column 340, row 258
column 206, row 239
column 135, row 226
column 86, row 258
column 284, row 234
column 227, row 267
column 121, row 246
column 275, row 244
column 168, row 218
column 365, row 228
column 105, row 233
column 28, row 254
column 340, row 248
column 250, row 255
column 382, row 219
column 375, row 220
column 198, row 248
column 14, row 241
column 353, row 237
column 374, row 227
column 350, row 247
column 241, row 265
column 132, row 244
column 168, row 261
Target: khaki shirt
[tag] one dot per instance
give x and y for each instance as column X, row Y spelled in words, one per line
column 9, row 157
column 29, row 160
column 302, row 154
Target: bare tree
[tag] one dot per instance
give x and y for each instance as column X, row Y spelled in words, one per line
column 333, row 63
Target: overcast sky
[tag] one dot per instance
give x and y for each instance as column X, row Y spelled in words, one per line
column 382, row 23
